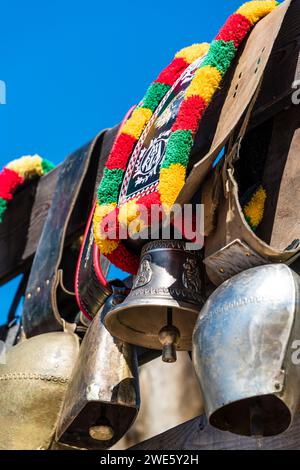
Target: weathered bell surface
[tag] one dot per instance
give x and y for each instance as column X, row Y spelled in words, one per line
column 244, row 352
column 102, row 399
column 161, row 310
column 33, row 382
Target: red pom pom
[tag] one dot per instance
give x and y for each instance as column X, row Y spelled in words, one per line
column 235, row 29
column 124, row 260
column 121, row 152
column 190, row 114
column 150, row 200
column 9, row 181
column 171, row 73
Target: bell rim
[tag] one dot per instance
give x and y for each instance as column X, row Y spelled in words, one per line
column 212, row 414
column 127, row 334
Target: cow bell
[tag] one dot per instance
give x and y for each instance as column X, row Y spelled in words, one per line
column 245, row 352
column 102, row 399
column 34, row 376
column 161, row 310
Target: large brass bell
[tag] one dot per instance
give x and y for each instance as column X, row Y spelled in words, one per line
column 103, row 396
column 161, row 310
column 246, row 352
column 33, row 382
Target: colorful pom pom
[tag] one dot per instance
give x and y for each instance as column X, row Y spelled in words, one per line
column 220, row 55
column 254, row 210
column 171, row 183
column 256, row 10
column 27, row 166
column 121, row 151
column 235, row 29
column 108, row 191
column 190, row 114
column 192, row 53
column 172, row 72
column 9, row 181
column 154, row 95
column 205, row 83
column 179, row 147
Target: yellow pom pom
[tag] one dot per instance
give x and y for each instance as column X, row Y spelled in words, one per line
column 205, row 83
column 105, row 245
column 254, row 210
column 191, row 53
column 128, row 212
column 137, row 122
column 171, row 182
column 27, row 166
column 136, row 226
column 256, row 10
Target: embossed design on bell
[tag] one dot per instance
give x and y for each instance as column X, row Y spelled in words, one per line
column 242, row 352
column 162, row 313
column 191, row 276
column 144, row 274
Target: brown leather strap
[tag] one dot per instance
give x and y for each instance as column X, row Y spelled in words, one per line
column 42, row 312
column 91, row 292
column 232, row 153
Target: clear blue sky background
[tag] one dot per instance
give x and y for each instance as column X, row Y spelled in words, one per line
column 72, row 68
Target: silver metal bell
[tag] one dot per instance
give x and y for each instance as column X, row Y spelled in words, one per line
column 244, row 352
column 161, row 310
column 102, row 399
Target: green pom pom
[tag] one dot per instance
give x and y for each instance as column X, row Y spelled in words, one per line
column 109, row 188
column 3, row 207
column 178, row 149
column 220, row 55
column 47, row 166
column 154, row 95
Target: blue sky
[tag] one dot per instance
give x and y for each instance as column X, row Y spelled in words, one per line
column 72, row 68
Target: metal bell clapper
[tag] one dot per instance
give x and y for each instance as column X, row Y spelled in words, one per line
column 33, row 381
column 161, row 310
column 245, row 352
column 103, row 396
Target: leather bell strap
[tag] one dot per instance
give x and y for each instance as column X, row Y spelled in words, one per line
column 91, row 287
column 42, row 312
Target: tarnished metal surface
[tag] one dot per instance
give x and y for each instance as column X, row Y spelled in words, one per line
column 242, row 351
column 102, row 399
column 33, row 383
column 169, row 277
